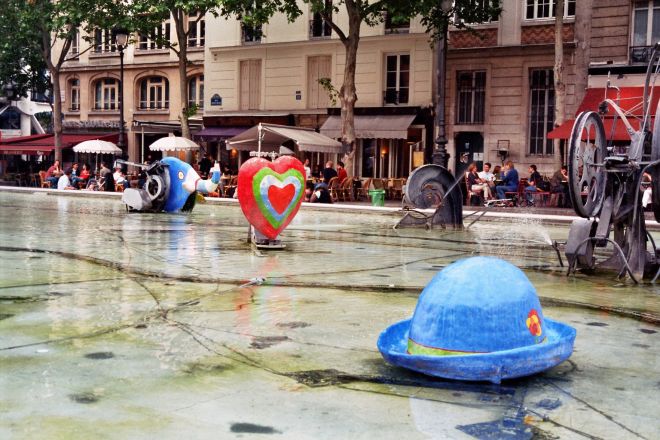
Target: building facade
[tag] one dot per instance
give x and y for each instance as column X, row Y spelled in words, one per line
column 90, row 86
column 499, row 82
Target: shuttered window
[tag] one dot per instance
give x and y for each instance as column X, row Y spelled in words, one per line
column 317, row 68
column 250, row 85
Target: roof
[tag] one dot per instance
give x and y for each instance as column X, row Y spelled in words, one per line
column 372, row 127
column 45, row 143
column 274, row 135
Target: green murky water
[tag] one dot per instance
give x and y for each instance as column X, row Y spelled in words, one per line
column 140, row 326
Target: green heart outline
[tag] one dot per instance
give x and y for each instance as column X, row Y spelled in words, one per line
column 256, row 182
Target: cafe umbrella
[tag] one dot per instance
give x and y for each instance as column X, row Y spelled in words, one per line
column 97, row 146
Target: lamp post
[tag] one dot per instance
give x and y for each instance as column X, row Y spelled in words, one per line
column 440, row 155
column 121, row 39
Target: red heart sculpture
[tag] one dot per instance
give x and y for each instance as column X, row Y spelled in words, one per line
column 270, row 193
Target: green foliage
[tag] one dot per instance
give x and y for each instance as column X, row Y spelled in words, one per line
column 191, row 111
column 332, row 92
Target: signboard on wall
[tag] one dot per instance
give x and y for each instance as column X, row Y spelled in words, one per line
column 216, row 99
column 418, row 159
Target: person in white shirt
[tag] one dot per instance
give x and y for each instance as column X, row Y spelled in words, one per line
column 487, row 177
column 308, row 170
column 64, row 182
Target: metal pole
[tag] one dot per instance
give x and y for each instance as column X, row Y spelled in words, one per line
column 440, row 155
column 120, row 141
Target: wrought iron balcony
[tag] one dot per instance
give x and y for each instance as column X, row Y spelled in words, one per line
column 395, row 97
column 640, row 54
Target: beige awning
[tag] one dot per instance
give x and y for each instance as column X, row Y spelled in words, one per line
column 372, row 127
column 275, row 135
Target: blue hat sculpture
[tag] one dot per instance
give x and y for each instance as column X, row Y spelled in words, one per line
column 467, row 326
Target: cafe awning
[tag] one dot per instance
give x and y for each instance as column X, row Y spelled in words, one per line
column 217, row 133
column 45, row 143
column 630, row 101
column 275, row 135
column 372, row 127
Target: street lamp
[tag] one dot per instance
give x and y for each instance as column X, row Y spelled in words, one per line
column 440, row 155
column 121, row 40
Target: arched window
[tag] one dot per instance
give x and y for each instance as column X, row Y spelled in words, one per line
column 196, row 91
column 74, row 95
column 106, row 91
column 154, row 93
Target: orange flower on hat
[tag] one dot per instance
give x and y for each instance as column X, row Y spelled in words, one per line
column 534, row 323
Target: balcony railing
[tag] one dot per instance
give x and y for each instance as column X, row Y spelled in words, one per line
column 319, row 29
column 395, row 97
column 640, row 54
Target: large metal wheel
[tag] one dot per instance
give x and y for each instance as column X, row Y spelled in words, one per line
column 425, row 188
column 587, row 149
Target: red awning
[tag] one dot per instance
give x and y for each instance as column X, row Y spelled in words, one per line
column 630, row 101
column 620, row 132
column 45, row 143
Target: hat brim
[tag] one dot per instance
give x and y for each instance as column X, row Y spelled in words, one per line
column 493, row 367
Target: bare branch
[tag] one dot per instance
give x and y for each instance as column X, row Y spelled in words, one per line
column 328, row 19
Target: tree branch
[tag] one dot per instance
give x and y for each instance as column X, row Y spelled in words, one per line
column 337, row 29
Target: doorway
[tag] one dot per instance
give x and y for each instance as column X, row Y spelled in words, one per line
column 469, row 148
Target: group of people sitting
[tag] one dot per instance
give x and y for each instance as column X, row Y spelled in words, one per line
column 497, row 184
column 76, row 177
column 320, row 192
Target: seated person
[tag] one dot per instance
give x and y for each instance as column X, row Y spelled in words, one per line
column 83, row 178
column 309, row 189
column 341, row 172
column 487, row 177
column 53, row 174
column 64, row 182
column 533, row 184
column 121, row 179
column 475, row 183
column 321, row 194
column 559, row 185
column 510, row 180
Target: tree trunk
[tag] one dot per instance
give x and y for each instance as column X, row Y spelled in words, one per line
column 347, row 93
column 182, row 39
column 560, row 86
column 57, row 112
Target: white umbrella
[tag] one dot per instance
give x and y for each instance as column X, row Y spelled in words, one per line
column 97, row 146
column 173, row 143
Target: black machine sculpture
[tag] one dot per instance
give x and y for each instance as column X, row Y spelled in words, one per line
column 604, row 182
column 432, row 187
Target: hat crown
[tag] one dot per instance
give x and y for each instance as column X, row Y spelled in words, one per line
column 464, row 309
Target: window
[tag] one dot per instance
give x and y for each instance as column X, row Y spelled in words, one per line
column 105, row 94
column 546, row 9
column 318, row 67
column 250, row 87
column 646, row 22
column 104, row 41
column 75, row 45
column 196, row 91
column 156, row 39
column 197, row 31
column 393, row 26
column 251, row 32
column 541, row 110
column 74, row 95
column 154, row 93
column 470, row 97
column 397, row 79
column 481, row 4
column 318, row 27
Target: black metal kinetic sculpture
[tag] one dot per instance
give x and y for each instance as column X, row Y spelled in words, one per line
column 604, row 186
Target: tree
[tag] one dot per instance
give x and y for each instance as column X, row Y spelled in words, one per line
column 43, row 24
column 186, row 14
column 434, row 17
column 21, row 63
